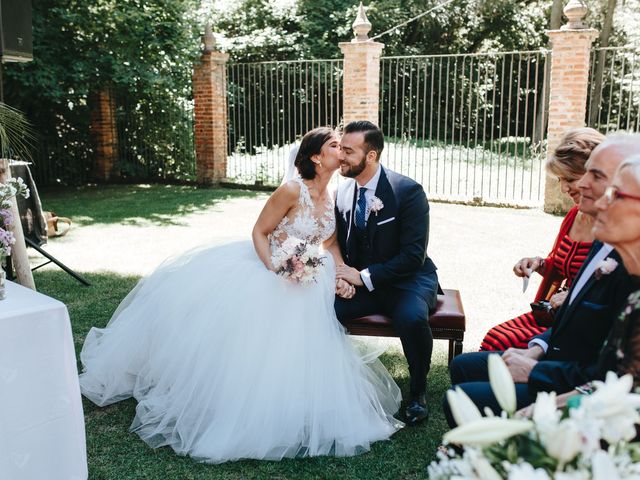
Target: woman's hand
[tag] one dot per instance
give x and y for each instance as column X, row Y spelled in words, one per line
column 558, row 299
column 344, row 289
column 526, row 266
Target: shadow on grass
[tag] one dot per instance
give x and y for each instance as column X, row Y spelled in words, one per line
column 134, row 204
column 115, row 453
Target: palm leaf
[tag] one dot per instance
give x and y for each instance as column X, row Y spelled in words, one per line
column 16, row 134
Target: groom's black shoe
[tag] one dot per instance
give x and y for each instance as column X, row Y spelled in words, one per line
column 416, row 410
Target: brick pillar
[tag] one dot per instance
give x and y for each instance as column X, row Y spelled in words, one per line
column 361, row 82
column 104, row 133
column 570, row 55
column 210, row 99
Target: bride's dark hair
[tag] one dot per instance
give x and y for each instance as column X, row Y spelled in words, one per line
column 311, row 145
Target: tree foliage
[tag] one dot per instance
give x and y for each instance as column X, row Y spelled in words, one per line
column 142, row 49
column 311, row 29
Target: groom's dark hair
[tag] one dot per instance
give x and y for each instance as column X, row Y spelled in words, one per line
column 373, row 137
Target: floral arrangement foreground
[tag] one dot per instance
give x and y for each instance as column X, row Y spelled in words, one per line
column 592, row 439
column 13, row 187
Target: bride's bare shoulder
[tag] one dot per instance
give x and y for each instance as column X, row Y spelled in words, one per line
column 288, row 192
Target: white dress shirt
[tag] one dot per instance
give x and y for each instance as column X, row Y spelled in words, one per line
column 369, row 193
column 590, row 270
column 582, row 280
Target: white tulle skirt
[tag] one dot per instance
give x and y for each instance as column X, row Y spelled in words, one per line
column 229, row 361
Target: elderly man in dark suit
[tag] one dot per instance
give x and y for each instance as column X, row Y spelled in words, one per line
column 565, row 355
column 383, row 230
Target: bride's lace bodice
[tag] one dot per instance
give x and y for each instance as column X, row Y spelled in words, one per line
column 308, row 222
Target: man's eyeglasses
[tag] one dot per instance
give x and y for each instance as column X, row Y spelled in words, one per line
column 613, row 193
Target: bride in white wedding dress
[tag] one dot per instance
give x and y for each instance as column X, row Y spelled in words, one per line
column 229, row 360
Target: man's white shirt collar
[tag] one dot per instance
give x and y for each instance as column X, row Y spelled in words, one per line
column 372, row 184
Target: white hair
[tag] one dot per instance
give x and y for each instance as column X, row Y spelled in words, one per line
column 632, row 164
column 627, row 144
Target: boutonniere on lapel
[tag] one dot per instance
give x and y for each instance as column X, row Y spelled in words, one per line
column 375, row 205
column 605, row 267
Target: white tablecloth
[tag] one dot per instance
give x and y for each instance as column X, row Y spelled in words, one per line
column 41, row 420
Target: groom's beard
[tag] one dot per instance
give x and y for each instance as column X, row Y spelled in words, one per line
column 352, row 171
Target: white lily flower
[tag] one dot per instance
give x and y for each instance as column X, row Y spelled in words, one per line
column 482, row 467
column 602, row 467
column 620, row 427
column 545, row 412
column 488, row 412
column 462, row 407
column 573, row 475
column 524, row 471
column 615, row 406
column 486, row 431
column 575, row 442
column 502, row 383
column 563, row 443
column 590, row 431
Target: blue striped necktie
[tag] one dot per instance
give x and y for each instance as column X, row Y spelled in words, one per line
column 361, row 209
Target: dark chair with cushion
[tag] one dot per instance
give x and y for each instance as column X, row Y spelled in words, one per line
column 447, row 322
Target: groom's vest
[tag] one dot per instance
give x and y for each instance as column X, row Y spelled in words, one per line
column 362, row 252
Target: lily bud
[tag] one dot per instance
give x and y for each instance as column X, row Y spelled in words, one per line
column 487, row 431
column 482, row 466
column 502, row 384
column 462, row 407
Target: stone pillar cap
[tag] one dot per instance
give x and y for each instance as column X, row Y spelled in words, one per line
column 361, row 25
column 575, row 12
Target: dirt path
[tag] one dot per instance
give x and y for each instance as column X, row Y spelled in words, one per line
column 473, row 247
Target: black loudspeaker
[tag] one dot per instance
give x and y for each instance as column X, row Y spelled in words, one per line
column 16, row 42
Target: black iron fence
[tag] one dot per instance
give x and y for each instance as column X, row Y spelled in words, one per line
column 270, row 106
column 468, row 127
column 155, row 142
column 614, row 89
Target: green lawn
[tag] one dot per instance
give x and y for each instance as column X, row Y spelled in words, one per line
column 114, row 453
column 127, row 204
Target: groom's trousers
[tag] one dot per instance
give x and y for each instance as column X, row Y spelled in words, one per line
column 409, row 313
column 470, row 372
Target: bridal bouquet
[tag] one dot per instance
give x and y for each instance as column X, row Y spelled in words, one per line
column 592, row 440
column 298, row 261
column 7, row 191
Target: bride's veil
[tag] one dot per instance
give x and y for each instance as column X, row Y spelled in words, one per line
column 292, row 171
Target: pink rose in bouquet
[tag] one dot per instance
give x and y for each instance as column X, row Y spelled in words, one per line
column 298, row 261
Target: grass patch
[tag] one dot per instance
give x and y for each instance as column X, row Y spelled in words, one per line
column 115, row 453
column 134, row 204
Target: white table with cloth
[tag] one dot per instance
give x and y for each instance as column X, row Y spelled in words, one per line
column 41, row 420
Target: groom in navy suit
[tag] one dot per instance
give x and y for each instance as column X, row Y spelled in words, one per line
column 383, row 230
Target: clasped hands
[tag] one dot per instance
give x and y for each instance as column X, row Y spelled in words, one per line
column 520, row 362
column 347, row 279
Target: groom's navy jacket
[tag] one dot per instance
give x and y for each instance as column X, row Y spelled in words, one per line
column 396, row 237
column 580, row 329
